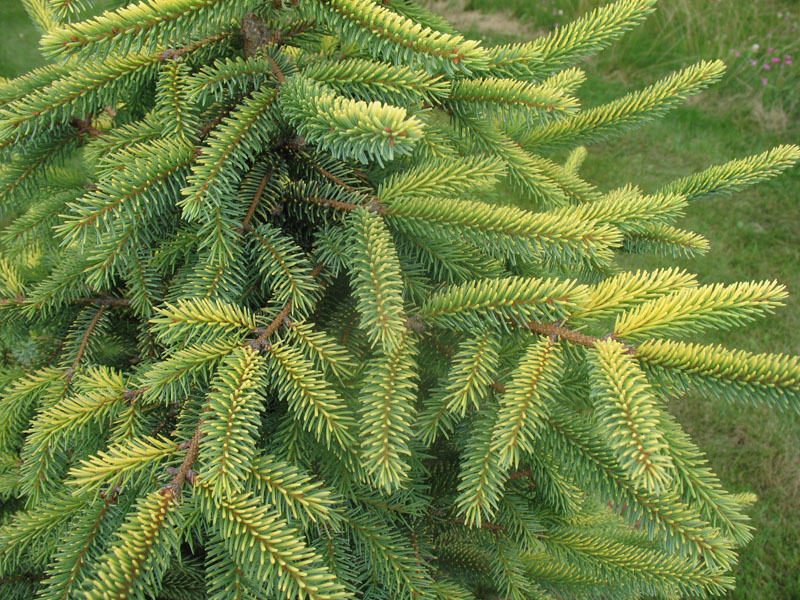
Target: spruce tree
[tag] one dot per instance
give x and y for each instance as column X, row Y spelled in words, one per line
column 264, row 336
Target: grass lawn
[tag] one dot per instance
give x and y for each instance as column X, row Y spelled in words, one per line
column 19, row 40
column 754, row 234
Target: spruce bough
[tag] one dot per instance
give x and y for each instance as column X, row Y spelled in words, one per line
column 265, row 337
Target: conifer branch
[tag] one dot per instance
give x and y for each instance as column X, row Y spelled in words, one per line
column 494, row 527
column 85, row 126
column 85, row 341
column 261, row 341
column 328, row 175
column 276, row 70
column 256, row 198
column 193, row 448
column 557, row 330
column 335, row 204
column 542, row 462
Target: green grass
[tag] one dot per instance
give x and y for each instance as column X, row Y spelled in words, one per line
column 754, row 234
column 19, row 42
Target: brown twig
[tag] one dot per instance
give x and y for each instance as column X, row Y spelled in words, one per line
column 256, row 198
column 334, row 178
column 557, row 330
column 27, row 577
column 276, row 70
column 211, row 124
column 133, row 394
column 172, row 54
column 261, row 342
column 85, row 126
column 521, row 474
column 338, row 205
column 85, row 342
column 484, row 524
column 193, row 448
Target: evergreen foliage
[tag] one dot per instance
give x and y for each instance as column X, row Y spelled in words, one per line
column 264, row 335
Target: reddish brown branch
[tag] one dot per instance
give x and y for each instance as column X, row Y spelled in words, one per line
column 106, row 301
column 328, row 203
column 554, row 329
column 193, row 448
column 133, row 394
column 521, row 474
column 327, row 174
column 484, row 525
column 317, row 270
column 276, row 70
column 261, row 342
column 85, row 126
column 256, row 198
column 204, row 131
column 27, row 577
column 373, row 200
column 172, row 54
column 85, row 341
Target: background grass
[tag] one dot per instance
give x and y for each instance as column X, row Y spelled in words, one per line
column 754, row 234
column 18, row 40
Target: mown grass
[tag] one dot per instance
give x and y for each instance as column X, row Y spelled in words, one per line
column 18, row 43
column 754, row 234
